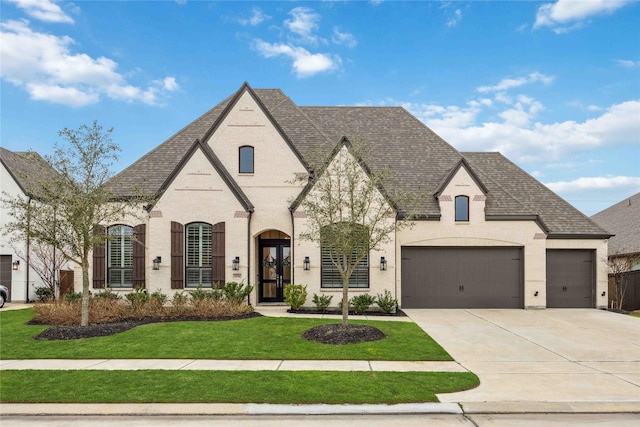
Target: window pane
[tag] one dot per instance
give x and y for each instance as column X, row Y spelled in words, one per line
column 120, row 256
column 246, row 159
column 199, row 246
column 462, row 208
column 330, row 276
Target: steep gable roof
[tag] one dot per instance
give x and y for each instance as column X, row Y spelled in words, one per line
column 28, row 169
column 420, row 160
column 218, row 166
column 514, row 192
column 623, row 219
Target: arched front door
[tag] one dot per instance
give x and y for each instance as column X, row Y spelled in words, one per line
column 274, row 269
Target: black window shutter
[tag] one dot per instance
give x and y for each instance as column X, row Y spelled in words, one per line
column 177, row 255
column 217, row 254
column 99, row 260
column 139, row 232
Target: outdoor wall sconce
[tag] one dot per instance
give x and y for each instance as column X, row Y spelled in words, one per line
column 15, row 264
column 156, row 263
column 535, row 294
column 306, row 264
column 383, row 264
column 236, row 263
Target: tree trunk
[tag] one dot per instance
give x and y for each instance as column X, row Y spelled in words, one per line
column 345, row 293
column 85, row 295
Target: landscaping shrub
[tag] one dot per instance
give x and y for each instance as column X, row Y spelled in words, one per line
column 322, row 301
column 73, row 297
column 236, row 292
column 362, row 302
column 138, row 298
column 156, row 303
column 108, row 307
column 387, row 302
column 107, row 293
column 62, row 313
column 44, row 294
column 295, row 295
column 179, row 302
column 106, row 310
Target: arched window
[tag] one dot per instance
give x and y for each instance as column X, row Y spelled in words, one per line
column 331, row 254
column 120, row 257
column 198, row 255
column 462, row 208
column 246, row 159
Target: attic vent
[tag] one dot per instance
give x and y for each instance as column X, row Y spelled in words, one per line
column 245, row 109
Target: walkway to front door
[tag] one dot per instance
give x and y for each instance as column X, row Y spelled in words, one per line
column 275, row 269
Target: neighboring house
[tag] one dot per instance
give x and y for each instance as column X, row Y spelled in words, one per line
column 623, row 220
column 488, row 234
column 19, row 175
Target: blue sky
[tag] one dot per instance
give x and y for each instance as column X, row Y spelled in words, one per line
column 553, row 85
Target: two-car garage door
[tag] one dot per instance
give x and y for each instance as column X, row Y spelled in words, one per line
column 469, row 277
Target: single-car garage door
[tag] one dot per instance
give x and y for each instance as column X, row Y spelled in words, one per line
column 439, row 277
column 570, row 278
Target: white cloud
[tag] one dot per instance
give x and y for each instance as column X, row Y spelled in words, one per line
column 304, row 23
column 567, row 15
column 43, row 10
column 256, row 18
column 511, row 83
column 453, row 21
column 44, row 65
column 305, row 63
column 512, row 125
column 343, row 38
column 596, row 183
column 628, row 63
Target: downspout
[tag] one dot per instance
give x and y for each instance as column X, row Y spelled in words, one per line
column 292, row 245
column 249, row 256
column 28, row 249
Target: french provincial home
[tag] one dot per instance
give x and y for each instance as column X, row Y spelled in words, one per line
column 487, row 234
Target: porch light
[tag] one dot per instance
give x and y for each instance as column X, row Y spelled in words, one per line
column 306, row 264
column 383, row 264
column 15, row 264
column 156, row 263
column 236, row 263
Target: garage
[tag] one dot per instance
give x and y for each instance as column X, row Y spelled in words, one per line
column 469, row 277
column 570, row 278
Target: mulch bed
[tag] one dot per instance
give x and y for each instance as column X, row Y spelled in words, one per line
column 309, row 310
column 335, row 333
column 105, row 329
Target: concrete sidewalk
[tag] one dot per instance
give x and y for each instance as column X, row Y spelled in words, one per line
column 230, row 365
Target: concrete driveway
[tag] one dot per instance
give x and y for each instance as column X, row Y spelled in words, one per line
column 552, row 360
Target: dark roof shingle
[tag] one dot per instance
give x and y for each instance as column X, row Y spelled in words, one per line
column 419, row 159
column 622, row 219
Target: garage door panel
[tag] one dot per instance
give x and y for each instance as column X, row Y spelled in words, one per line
column 436, row 277
column 570, row 278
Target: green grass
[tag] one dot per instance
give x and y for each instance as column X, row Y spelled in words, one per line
column 232, row 387
column 256, row 338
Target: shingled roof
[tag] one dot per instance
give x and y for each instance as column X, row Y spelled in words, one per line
column 622, row 219
column 28, row 169
column 420, row 159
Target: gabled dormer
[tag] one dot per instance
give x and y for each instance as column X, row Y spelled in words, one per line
column 462, row 196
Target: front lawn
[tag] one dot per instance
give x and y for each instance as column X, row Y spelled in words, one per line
column 283, row 387
column 255, row 338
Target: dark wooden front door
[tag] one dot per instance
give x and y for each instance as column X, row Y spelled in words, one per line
column 274, row 268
